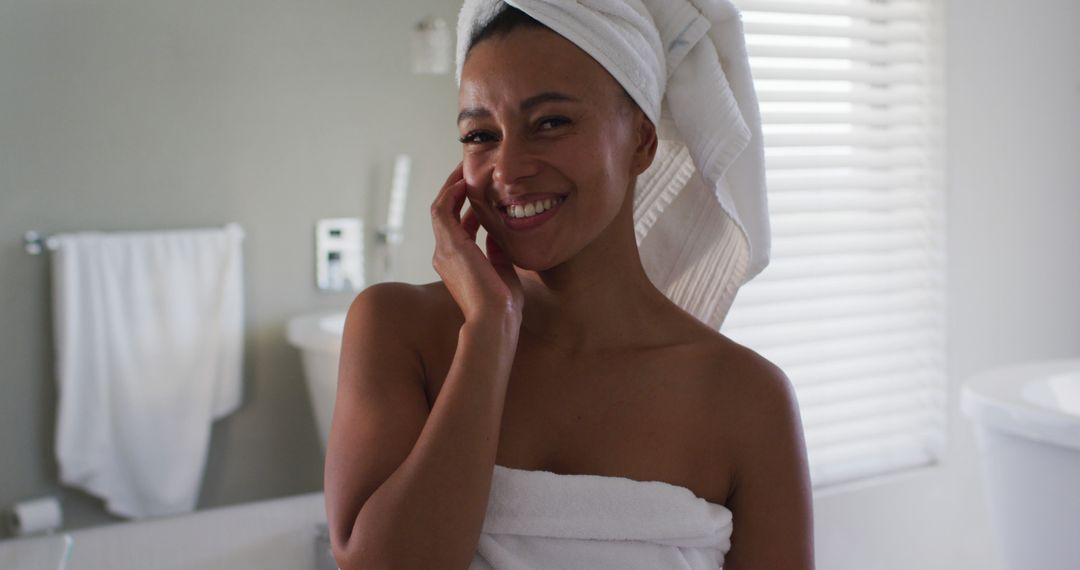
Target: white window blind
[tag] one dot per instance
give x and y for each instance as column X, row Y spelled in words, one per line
column 851, row 306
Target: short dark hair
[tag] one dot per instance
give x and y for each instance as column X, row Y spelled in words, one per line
column 508, row 19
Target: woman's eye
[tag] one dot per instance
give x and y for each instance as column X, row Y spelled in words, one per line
column 474, row 137
column 554, row 121
column 545, row 124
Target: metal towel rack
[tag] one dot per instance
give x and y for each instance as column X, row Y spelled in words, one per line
column 36, row 242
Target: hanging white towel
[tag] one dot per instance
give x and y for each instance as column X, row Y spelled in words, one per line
column 148, row 329
column 538, row 520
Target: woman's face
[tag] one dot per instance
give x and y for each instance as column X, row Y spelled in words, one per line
column 540, row 119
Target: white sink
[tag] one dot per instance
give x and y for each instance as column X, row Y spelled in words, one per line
column 1027, row 429
column 277, row 534
column 318, row 337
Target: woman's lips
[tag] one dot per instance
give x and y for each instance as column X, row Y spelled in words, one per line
column 531, row 221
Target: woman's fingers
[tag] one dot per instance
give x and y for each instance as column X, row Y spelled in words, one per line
column 457, row 195
column 478, row 284
column 445, row 209
column 456, row 178
column 470, row 222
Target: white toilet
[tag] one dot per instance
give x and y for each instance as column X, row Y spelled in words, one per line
column 318, row 336
column 1026, row 421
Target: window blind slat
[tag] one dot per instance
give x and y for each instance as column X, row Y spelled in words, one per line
column 884, row 139
column 796, row 268
column 850, row 306
column 870, row 407
column 807, row 223
column 814, row 309
column 895, row 95
column 840, row 365
column 922, row 441
column 858, row 460
column 894, row 75
column 851, row 242
column 908, row 415
column 898, row 95
column 859, row 54
column 849, row 199
column 884, row 426
column 837, row 329
column 859, row 366
column 857, row 30
column 896, row 117
column 813, row 352
column 771, row 291
column 870, row 385
column 786, row 182
column 868, row 10
column 895, row 159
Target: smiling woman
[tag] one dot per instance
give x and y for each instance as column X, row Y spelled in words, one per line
column 542, row 118
column 549, row 404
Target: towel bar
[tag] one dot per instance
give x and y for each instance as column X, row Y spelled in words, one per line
column 35, row 242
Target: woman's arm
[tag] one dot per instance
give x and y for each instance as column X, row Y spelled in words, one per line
column 406, row 488
column 772, row 501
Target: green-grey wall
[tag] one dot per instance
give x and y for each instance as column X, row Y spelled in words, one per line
column 160, row 114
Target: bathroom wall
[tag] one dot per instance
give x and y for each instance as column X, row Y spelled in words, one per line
column 158, row 114
column 1013, row 252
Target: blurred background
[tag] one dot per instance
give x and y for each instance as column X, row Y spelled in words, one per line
column 123, row 116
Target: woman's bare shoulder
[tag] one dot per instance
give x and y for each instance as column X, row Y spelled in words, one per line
column 412, row 301
column 770, row 487
column 750, row 384
column 419, row 312
column 750, row 365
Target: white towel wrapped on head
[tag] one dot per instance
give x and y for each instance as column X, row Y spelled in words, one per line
column 700, row 211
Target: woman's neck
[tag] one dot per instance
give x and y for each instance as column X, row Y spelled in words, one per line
column 599, row 300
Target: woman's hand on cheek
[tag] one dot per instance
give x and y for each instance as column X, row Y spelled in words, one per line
column 483, row 287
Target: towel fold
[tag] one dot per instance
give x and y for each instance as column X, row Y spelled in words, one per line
column 543, row 520
column 149, row 341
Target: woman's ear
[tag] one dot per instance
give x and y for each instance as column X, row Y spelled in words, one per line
column 645, row 142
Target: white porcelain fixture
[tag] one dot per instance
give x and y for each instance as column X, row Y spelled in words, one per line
column 276, row 534
column 1026, row 421
column 318, row 336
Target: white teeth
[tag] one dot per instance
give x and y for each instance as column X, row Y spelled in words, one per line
column 532, row 209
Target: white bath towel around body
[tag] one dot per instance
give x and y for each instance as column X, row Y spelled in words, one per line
column 148, row 332
column 543, row 520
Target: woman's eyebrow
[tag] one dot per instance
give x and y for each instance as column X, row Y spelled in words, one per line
column 526, row 104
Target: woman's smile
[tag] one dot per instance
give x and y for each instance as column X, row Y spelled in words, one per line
column 542, row 122
column 519, row 218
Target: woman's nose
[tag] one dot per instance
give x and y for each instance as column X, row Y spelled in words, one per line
column 513, row 161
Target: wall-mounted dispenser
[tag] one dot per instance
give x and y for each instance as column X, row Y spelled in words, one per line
column 339, row 254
